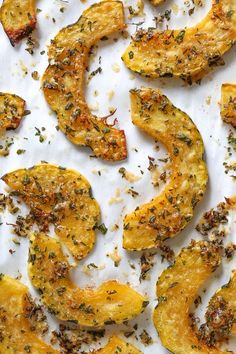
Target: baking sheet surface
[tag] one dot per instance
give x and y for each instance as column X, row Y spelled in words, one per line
column 201, row 102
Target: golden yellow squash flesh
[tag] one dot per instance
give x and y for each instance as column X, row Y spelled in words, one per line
column 167, row 214
column 49, row 272
column 177, row 288
column 60, row 196
column 117, row 346
column 228, row 104
column 18, row 18
column 12, row 109
column 188, row 53
column 16, row 334
column 63, row 81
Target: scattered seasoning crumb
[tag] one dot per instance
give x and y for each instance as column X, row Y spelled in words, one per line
column 146, row 264
column 115, row 256
column 129, row 176
column 208, row 100
column 5, row 147
column 110, row 95
column 35, row 75
column 115, row 68
column 146, row 339
column 116, row 198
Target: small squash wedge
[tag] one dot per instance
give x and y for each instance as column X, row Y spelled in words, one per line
column 227, row 293
column 189, row 53
column 60, row 196
column 12, row 109
column 16, row 333
column 177, row 288
column 167, row 214
column 49, row 272
column 18, row 18
column 228, row 104
column 117, row 346
column 63, row 81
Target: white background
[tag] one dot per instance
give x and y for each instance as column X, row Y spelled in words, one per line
column 57, row 149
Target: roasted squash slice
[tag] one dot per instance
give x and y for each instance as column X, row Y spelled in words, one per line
column 12, row 109
column 166, row 215
column 187, row 53
column 49, row 272
column 116, row 346
column 62, row 197
column 18, row 18
column 15, row 331
column 63, row 80
column 228, row 104
column 177, row 288
column 226, row 294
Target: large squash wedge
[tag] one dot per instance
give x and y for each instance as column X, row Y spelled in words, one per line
column 63, row 80
column 16, row 333
column 49, row 272
column 228, row 104
column 12, row 109
column 18, row 18
column 166, row 215
column 177, row 288
column 186, row 53
column 62, row 197
column 117, row 346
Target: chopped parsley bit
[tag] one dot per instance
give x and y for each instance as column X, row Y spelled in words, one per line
column 20, row 151
column 39, row 134
column 102, row 228
column 180, row 36
column 146, row 339
column 95, row 72
column 184, row 138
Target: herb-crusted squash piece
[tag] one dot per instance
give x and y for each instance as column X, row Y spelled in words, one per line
column 12, row 109
column 116, row 346
column 63, row 80
column 17, row 335
column 49, row 272
column 228, row 104
column 226, row 295
column 18, row 18
column 60, row 196
column 188, row 53
column 166, row 215
column 177, row 288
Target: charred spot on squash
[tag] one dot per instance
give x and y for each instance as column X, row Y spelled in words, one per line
column 18, row 18
column 167, row 214
column 228, row 104
column 63, row 81
column 62, row 197
column 12, row 110
column 189, row 53
column 49, row 272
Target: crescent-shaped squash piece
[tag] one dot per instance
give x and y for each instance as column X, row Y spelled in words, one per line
column 228, row 294
column 49, row 272
column 12, row 110
column 63, row 81
column 18, row 18
column 186, row 53
column 117, row 346
column 166, row 215
column 60, row 196
column 177, row 288
column 15, row 330
column 228, row 104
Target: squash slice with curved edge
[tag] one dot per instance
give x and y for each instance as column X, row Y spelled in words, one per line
column 63, row 81
column 18, row 18
column 228, row 104
column 177, row 288
column 116, row 346
column 12, row 110
column 15, row 329
column 167, row 214
column 49, row 273
column 186, row 53
column 227, row 293
column 60, row 196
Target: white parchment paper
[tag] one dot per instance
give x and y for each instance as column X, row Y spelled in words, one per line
column 199, row 101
